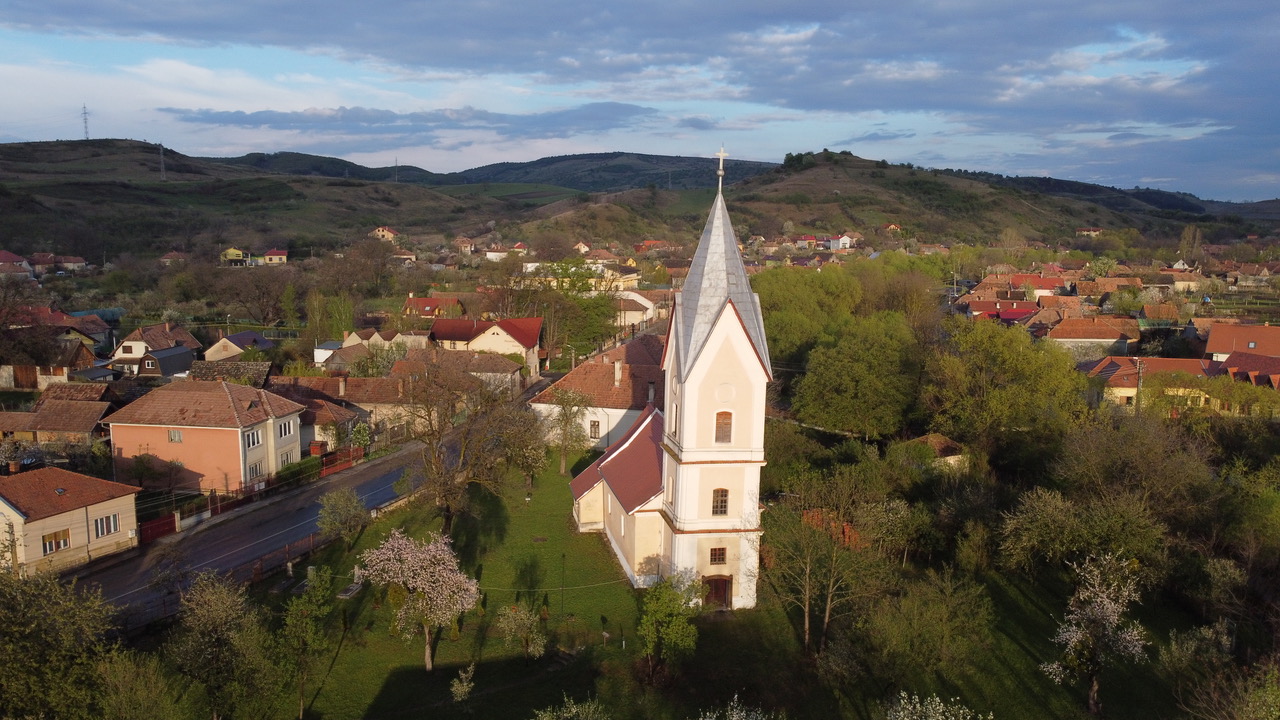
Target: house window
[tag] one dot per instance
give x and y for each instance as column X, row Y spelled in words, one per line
column 105, row 526
column 253, row 438
column 255, row 471
column 719, row 501
column 724, row 426
column 595, row 429
column 1252, row 344
column 718, row 556
column 53, row 542
column 286, row 458
column 175, row 436
column 127, row 350
column 286, row 428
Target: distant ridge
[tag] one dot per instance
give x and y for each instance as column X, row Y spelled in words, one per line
column 590, row 172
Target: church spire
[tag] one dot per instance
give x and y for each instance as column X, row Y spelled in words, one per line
column 717, row 277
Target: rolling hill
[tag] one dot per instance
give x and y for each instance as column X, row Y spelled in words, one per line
column 103, row 198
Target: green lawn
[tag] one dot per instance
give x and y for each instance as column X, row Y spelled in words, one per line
column 519, row 552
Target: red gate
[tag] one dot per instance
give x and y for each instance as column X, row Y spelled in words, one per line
column 150, row 530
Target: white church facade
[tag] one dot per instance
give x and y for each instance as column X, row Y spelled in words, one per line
column 679, row 492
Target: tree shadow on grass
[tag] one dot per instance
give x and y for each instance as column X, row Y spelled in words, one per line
column 482, row 528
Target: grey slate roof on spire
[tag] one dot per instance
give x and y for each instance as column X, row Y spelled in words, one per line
column 716, row 277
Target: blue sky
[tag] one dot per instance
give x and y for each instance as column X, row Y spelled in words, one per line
column 1177, row 95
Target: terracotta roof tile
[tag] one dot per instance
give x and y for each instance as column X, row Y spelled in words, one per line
column 201, row 403
column 1102, row 327
column 69, row 416
column 1256, row 339
column 1122, row 372
column 49, row 491
column 82, row 391
column 631, row 467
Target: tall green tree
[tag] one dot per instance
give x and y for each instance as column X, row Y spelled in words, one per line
column 667, row 633
column 342, row 514
column 995, row 388
column 222, row 644
column 302, row 640
column 567, row 434
column 864, row 384
column 52, row 637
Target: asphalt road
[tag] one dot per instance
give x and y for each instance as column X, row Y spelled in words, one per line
column 243, row 535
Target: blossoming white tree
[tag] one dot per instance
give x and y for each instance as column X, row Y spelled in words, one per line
column 1095, row 632
column 436, row 589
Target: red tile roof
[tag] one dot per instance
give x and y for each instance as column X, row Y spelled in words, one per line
column 1256, row 339
column 631, row 467
column 1122, row 372
column 164, row 335
column 74, row 416
column 523, row 330
column 1102, row 327
column 204, row 403
column 81, row 391
column 428, row 305
column 1261, row 370
column 49, row 491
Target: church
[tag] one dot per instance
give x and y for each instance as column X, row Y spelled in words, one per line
column 680, row 491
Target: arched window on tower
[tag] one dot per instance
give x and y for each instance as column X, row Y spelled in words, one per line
column 724, row 427
column 720, row 501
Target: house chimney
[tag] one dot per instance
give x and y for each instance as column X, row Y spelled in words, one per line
column 400, row 388
column 168, row 326
column 342, row 386
column 410, row 295
column 617, row 373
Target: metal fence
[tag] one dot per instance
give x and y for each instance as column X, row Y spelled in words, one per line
column 137, row 616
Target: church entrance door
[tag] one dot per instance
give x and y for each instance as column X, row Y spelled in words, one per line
column 719, row 591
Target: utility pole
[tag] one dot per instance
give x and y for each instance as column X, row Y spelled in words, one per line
column 1137, row 399
column 84, row 115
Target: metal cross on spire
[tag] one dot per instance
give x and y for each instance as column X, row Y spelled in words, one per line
column 720, row 172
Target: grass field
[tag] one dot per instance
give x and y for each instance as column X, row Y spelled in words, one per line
column 520, row 553
column 525, row 193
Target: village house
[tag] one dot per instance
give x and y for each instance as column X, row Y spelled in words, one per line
column 61, row 519
column 216, row 436
column 231, row 347
column 384, row 233
column 1097, row 336
column 1225, row 339
column 173, row 257
column 498, row 372
column 618, row 385
column 431, row 307
column 678, row 493
column 1121, row 376
column 511, row 336
column 275, row 257
column 128, row 355
column 235, row 257
column 68, row 355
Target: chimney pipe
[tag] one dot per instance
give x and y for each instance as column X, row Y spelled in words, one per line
column 410, row 295
column 617, row 373
column 342, row 386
